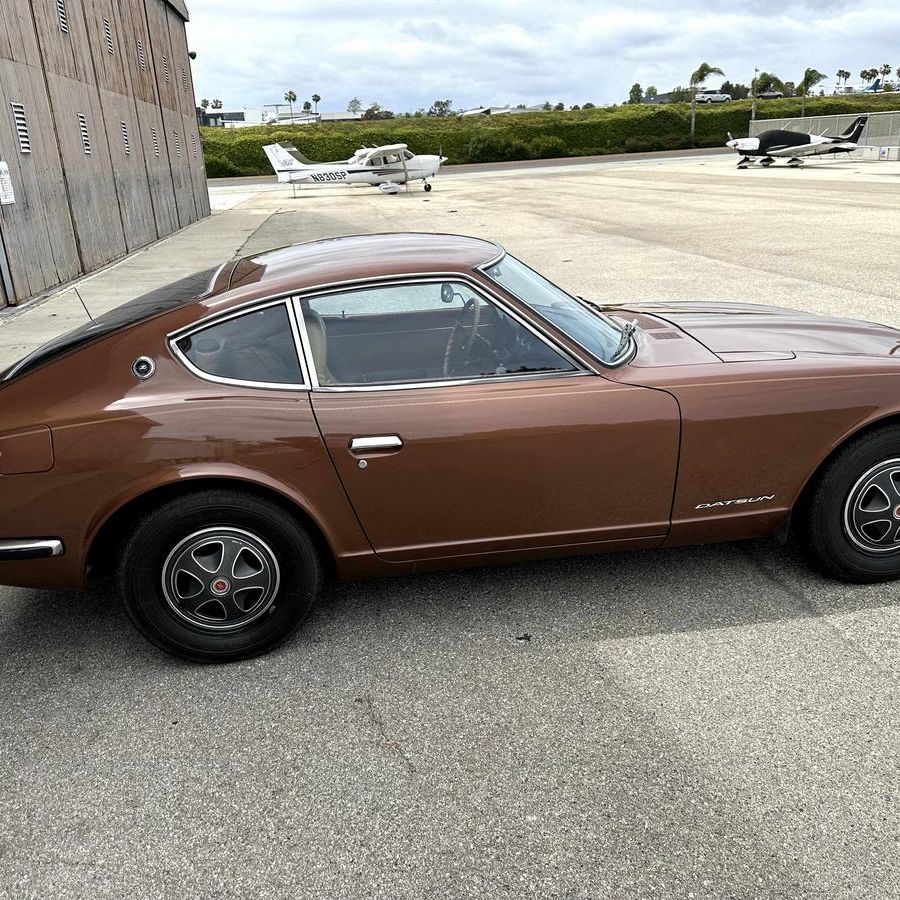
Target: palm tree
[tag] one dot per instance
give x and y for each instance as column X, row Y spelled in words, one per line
column 704, row 70
column 811, row 77
column 290, row 97
column 842, row 75
column 307, row 106
column 315, row 99
column 885, row 70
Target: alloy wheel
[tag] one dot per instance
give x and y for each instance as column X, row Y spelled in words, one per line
column 872, row 509
column 221, row 578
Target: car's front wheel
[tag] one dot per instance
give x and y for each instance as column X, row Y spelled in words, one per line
column 218, row 575
column 853, row 519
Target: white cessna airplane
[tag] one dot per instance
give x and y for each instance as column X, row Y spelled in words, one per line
column 386, row 167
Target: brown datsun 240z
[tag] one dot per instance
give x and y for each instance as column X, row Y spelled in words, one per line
column 394, row 403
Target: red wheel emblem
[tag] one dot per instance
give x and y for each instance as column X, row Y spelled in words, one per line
column 219, row 586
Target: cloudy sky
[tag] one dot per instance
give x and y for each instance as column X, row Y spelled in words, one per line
column 404, row 54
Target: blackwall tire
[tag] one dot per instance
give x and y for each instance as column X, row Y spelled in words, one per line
column 218, row 575
column 853, row 518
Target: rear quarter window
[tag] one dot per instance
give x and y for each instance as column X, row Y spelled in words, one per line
column 256, row 347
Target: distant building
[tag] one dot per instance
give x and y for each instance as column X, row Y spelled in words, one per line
column 501, row 110
column 659, row 98
column 99, row 148
column 280, row 114
column 345, row 116
column 220, row 118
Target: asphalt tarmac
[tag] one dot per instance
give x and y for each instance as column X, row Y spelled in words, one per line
column 709, row 722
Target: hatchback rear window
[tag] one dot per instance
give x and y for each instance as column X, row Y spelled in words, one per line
column 137, row 310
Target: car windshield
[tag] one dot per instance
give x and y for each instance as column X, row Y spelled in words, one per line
column 144, row 307
column 583, row 324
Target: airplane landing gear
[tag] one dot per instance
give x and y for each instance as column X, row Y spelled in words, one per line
column 743, row 163
column 795, row 163
column 766, row 161
column 427, row 186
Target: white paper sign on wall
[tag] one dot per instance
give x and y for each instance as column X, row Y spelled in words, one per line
column 7, row 194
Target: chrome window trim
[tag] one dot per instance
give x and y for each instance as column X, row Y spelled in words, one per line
column 173, row 337
column 430, row 278
column 215, row 276
column 418, row 385
column 614, row 363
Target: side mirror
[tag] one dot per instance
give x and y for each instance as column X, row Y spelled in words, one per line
column 447, row 293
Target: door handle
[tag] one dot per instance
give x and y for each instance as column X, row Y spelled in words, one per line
column 381, row 442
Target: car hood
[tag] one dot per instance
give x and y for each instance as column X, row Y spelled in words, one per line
column 743, row 328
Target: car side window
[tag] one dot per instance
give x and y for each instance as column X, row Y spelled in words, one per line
column 255, row 347
column 420, row 333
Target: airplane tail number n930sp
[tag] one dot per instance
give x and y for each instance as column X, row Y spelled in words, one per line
column 385, row 167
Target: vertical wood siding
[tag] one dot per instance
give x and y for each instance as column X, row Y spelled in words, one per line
column 76, row 211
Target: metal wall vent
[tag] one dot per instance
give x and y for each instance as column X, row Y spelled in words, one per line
column 63, row 17
column 85, row 137
column 166, row 69
column 125, row 141
column 141, row 58
column 18, row 111
column 184, row 78
column 155, row 137
column 194, row 143
column 107, row 33
column 177, row 143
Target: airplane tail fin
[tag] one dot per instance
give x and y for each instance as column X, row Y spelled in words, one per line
column 282, row 161
column 855, row 130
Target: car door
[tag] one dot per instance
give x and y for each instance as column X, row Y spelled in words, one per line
column 507, row 445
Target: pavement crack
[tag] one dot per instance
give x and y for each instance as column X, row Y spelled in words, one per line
column 377, row 720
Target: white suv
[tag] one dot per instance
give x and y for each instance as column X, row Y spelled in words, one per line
column 705, row 95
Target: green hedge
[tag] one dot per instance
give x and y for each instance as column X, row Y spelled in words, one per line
column 620, row 129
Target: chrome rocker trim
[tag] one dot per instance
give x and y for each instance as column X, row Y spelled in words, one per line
column 30, row 549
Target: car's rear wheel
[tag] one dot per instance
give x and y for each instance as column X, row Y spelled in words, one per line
column 853, row 520
column 218, row 575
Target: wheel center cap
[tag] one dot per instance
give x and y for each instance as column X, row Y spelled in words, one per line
column 220, row 586
column 897, row 512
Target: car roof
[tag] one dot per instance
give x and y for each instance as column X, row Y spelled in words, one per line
column 353, row 258
column 273, row 273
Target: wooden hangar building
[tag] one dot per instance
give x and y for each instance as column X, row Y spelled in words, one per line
column 99, row 148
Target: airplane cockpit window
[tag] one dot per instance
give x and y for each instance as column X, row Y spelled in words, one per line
column 407, row 155
column 392, row 158
column 375, row 161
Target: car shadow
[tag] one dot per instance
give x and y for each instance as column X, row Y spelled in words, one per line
column 502, row 696
column 605, row 597
column 609, row 597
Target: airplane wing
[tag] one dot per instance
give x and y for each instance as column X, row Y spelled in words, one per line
column 388, row 148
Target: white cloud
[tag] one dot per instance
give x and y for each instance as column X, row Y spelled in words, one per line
column 405, row 54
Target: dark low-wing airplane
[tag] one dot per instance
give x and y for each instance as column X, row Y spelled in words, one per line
column 794, row 145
